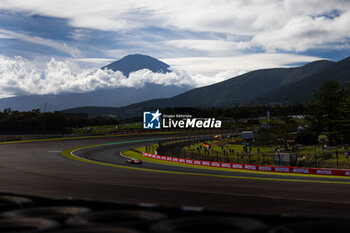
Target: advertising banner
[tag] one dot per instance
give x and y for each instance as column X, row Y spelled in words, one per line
column 251, row 167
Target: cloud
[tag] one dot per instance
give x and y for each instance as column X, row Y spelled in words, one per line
column 212, row 66
column 60, row 46
column 289, row 25
column 305, row 32
column 20, row 76
column 99, row 61
column 104, row 15
column 80, row 34
column 5, row 36
column 212, row 46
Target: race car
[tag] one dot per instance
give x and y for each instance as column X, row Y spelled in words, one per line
column 134, row 161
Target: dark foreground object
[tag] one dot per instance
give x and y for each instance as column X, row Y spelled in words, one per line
column 38, row 214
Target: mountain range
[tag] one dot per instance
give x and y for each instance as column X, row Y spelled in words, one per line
column 266, row 86
column 115, row 97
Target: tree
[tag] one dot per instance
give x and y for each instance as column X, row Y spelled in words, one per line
column 281, row 131
column 325, row 111
column 344, row 118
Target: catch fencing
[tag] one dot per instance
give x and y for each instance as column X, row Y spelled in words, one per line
column 251, row 167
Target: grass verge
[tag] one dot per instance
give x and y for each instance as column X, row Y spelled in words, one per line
column 137, row 155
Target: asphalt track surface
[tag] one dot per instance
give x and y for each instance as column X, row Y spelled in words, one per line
column 39, row 168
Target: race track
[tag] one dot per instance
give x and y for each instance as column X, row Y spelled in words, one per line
column 39, row 168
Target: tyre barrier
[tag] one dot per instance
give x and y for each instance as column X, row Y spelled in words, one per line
column 218, row 224
column 126, row 218
column 27, row 225
column 99, row 229
column 339, row 226
column 77, row 215
column 58, row 213
column 14, row 202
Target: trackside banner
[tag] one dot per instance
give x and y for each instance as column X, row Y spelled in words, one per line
column 298, row 170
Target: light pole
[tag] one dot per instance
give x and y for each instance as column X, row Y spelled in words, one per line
column 316, row 155
column 336, row 155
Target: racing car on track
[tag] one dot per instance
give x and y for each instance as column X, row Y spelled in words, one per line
column 133, row 161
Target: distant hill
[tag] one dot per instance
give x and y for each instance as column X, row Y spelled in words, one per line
column 244, row 89
column 104, row 97
column 115, row 97
column 135, row 62
column 302, row 90
column 240, row 89
column 306, row 70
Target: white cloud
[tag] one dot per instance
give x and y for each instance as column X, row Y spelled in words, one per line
column 213, row 46
column 102, row 15
column 291, row 25
column 5, row 36
column 80, row 34
column 60, row 46
column 304, row 32
column 20, row 76
column 211, row 66
column 99, row 61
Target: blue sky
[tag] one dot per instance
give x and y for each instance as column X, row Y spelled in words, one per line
column 208, row 40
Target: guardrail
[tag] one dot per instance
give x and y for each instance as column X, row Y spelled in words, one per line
column 251, row 167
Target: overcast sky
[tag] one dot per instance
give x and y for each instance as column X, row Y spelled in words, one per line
column 208, row 40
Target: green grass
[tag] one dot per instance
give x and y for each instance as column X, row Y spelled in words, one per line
column 304, row 150
column 218, row 153
column 306, row 154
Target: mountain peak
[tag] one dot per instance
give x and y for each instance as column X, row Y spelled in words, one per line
column 135, row 62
